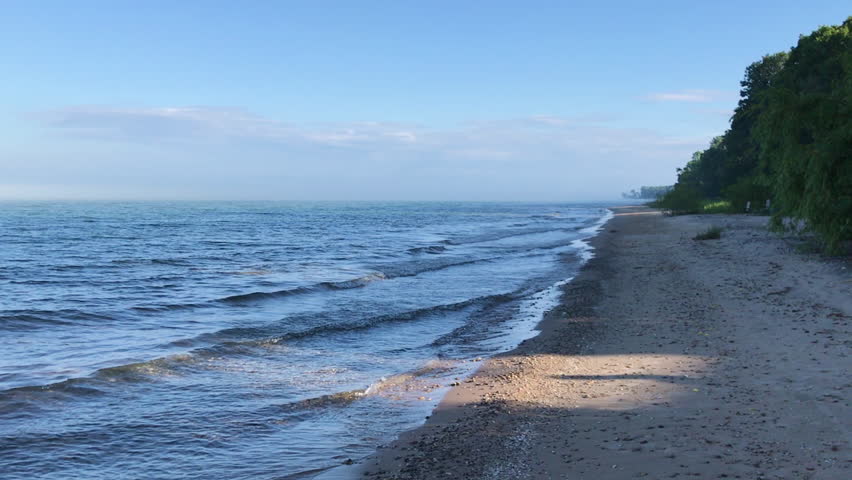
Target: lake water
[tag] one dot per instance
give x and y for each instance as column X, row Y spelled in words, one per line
column 255, row 340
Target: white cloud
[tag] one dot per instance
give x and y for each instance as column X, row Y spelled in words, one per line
column 692, row 96
column 715, row 112
column 210, row 123
column 214, row 123
column 233, row 153
column 163, row 123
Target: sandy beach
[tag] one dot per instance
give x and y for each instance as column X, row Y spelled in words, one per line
column 668, row 358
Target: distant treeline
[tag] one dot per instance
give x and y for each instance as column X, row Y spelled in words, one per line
column 648, row 192
column 790, row 142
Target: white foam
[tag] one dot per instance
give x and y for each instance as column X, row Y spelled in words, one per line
column 532, row 310
column 584, row 250
column 599, row 224
column 375, row 387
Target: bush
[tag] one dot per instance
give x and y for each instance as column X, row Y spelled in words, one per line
column 712, row 233
column 747, row 189
column 721, row 206
column 681, row 200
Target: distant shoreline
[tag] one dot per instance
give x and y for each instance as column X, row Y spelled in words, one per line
column 667, row 356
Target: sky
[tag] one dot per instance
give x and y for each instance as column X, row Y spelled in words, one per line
column 345, row 100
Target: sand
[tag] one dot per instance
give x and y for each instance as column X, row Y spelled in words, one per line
column 668, row 358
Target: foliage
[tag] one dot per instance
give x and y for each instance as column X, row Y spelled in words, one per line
column 704, row 172
column 712, row 233
column 648, row 192
column 742, row 148
column 747, row 189
column 790, row 142
column 721, row 206
column 681, row 200
column 805, row 135
column 733, row 157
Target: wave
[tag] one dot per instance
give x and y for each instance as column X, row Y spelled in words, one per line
column 392, row 386
column 368, row 322
column 253, row 296
column 406, row 384
column 29, row 319
column 67, row 268
column 26, row 321
column 356, row 282
column 412, row 269
column 145, row 371
column 331, row 400
column 341, row 285
column 167, row 307
column 98, row 382
column 240, row 340
column 432, row 249
column 171, row 261
column 492, row 237
column 175, row 365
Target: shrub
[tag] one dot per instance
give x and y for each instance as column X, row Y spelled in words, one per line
column 681, row 200
column 747, row 189
column 712, row 233
column 721, row 206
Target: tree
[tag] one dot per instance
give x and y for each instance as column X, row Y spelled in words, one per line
column 804, row 134
column 741, row 147
column 646, row 192
column 706, row 171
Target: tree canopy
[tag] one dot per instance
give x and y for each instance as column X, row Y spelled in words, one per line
column 648, row 192
column 805, row 134
column 790, row 140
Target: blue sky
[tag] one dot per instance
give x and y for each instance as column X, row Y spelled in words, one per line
column 372, row 100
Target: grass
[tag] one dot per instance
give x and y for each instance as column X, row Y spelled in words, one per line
column 721, row 206
column 712, row 233
column 689, row 202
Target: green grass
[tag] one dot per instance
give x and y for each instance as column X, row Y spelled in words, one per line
column 721, row 206
column 712, row 233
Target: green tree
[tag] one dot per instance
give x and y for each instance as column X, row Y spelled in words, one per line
column 682, row 199
column 741, row 147
column 706, row 171
column 804, row 134
column 729, row 166
column 654, row 191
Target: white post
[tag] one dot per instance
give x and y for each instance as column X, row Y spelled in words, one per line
column 748, row 206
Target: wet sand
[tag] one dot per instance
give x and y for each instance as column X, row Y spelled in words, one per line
column 668, row 358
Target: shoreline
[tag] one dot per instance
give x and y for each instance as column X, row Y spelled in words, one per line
column 646, row 351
